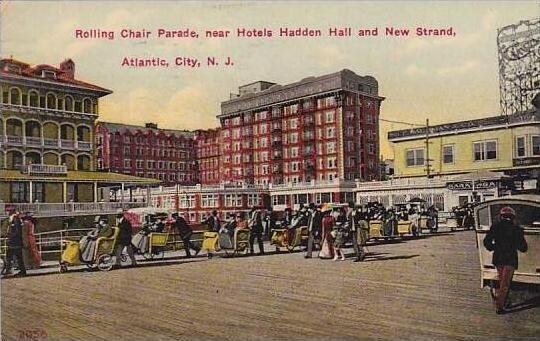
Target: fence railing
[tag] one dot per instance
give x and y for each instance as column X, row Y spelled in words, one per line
column 70, row 208
column 50, row 244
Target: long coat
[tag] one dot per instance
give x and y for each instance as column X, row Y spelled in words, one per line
column 505, row 238
column 124, row 235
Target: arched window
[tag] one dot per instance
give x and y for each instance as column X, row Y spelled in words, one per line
column 33, row 158
column 87, row 106
column 14, row 159
column 34, row 99
column 83, row 133
column 51, row 101
column 15, row 96
column 83, row 162
column 69, row 103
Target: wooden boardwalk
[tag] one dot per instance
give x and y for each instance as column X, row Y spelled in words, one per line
column 422, row 289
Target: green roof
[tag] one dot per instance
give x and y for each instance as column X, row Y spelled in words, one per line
column 77, row 176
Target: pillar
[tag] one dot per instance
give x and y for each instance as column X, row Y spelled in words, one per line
column 31, row 193
column 95, row 191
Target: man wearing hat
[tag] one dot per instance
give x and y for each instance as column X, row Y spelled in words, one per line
column 505, row 238
column 314, row 228
column 213, row 222
column 185, row 231
column 124, row 239
column 14, row 244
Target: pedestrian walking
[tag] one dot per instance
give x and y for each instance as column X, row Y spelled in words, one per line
column 14, row 245
column 314, row 228
column 124, row 239
column 185, row 231
column 505, row 238
column 352, row 221
column 256, row 231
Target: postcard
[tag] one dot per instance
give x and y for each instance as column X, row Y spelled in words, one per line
column 269, row 170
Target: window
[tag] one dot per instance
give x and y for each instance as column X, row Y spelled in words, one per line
column 19, row 192
column 209, row 200
column 254, row 200
column 485, row 150
column 415, row 157
column 187, row 201
column 448, row 154
column 329, row 116
column 233, row 200
column 535, row 141
column 520, row 146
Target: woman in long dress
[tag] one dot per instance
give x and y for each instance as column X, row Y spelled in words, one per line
column 31, row 254
column 328, row 222
column 87, row 244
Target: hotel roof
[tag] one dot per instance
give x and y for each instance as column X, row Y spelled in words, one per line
column 487, row 123
column 134, row 129
column 27, row 72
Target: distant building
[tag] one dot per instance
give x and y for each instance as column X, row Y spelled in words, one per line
column 207, row 143
column 47, row 151
column 318, row 129
column 147, row 151
column 499, row 143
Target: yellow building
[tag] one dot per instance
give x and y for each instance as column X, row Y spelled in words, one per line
column 47, row 148
column 508, row 144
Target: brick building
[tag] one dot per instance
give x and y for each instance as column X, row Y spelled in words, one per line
column 207, row 143
column 320, row 128
column 164, row 154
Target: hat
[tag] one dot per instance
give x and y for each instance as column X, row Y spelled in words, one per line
column 507, row 211
column 326, row 208
column 174, row 215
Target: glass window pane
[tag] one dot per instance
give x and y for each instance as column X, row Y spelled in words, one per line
column 536, row 145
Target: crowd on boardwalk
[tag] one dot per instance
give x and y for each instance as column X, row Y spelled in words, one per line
column 326, row 229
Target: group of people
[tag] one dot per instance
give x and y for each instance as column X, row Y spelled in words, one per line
column 21, row 244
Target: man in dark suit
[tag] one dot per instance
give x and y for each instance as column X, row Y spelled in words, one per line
column 314, row 228
column 14, row 245
column 213, row 222
column 185, row 231
column 256, row 231
column 124, row 239
column 505, row 238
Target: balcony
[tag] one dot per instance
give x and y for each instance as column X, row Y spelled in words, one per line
column 32, row 141
column 69, row 209
column 46, row 111
column 44, row 169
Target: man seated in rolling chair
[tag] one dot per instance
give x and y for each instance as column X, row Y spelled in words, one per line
column 88, row 243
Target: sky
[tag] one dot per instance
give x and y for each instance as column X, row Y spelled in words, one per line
column 441, row 78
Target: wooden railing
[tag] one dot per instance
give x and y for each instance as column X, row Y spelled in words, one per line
column 70, row 208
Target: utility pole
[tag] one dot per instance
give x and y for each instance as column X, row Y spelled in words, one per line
column 428, row 160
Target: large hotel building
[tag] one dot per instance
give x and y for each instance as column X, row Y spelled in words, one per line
column 47, row 150
column 283, row 145
column 320, row 128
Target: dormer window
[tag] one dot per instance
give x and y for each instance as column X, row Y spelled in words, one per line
column 48, row 74
column 13, row 68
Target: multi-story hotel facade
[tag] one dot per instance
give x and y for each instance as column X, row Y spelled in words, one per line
column 47, row 131
column 208, row 156
column 147, row 151
column 318, row 129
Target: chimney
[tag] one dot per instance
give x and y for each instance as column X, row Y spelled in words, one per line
column 68, row 66
column 151, row 125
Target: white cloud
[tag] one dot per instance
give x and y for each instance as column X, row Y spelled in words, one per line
column 458, row 69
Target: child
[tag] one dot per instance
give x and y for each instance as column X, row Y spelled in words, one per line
column 339, row 239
